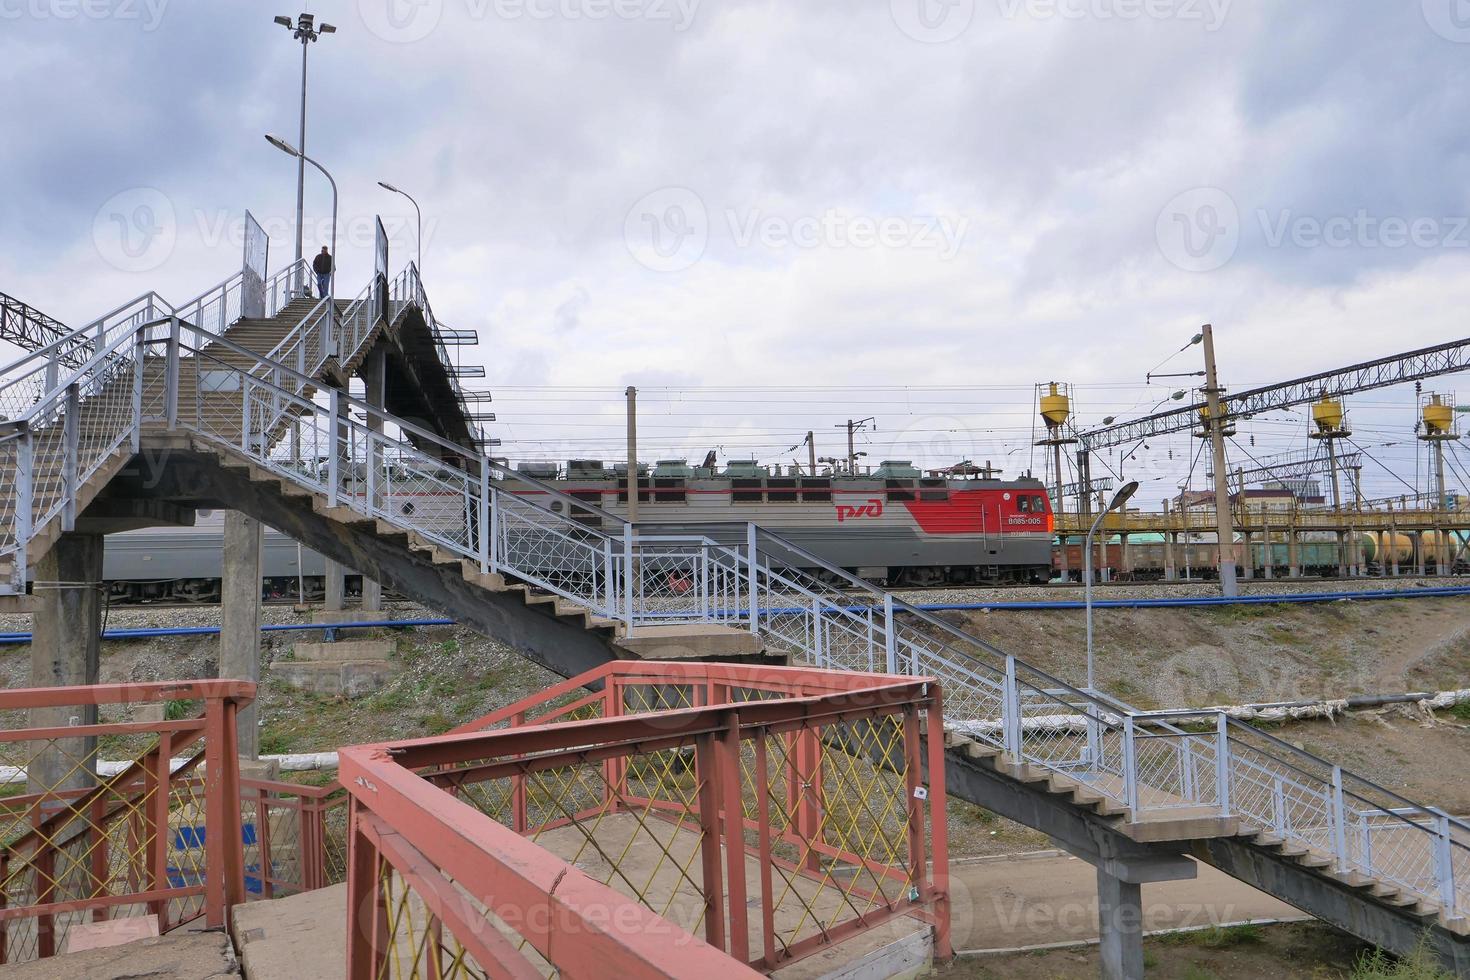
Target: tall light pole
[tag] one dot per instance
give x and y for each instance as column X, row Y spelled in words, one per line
column 305, row 30
column 290, row 150
column 1119, row 499
column 418, row 235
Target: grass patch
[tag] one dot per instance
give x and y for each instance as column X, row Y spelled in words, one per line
column 1461, row 711
column 1420, row 964
column 1216, row 937
column 179, row 710
column 274, row 743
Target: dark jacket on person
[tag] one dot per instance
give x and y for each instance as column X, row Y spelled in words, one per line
column 322, row 265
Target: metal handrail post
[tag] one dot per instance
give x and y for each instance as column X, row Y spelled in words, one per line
column 1011, row 712
column 485, row 511
column 750, row 546
column 628, row 578
column 1339, row 823
column 334, row 457
column 24, row 500
column 1130, row 766
column 609, row 580
column 71, row 438
column 370, row 461
column 139, row 349
column 706, row 603
column 171, row 374
column 245, row 414
column 1222, row 763
column 1444, row 866
column 890, row 635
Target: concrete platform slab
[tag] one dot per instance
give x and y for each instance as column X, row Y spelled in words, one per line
column 83, row 936
column 1048, row 897
column 177, row 956
column 696, row 641
column 301, row 936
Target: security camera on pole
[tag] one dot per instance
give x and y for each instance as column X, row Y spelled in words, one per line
column 305, row 30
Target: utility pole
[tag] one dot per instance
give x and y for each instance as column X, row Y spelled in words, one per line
column 853, row 427
column 1225, row 531
column 632, row 455
column 811, row 451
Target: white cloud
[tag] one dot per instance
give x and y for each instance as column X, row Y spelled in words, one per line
column 1058, row 141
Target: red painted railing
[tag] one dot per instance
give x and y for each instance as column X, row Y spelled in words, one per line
column 295, row 837
column 152, row 838
column 651, row 819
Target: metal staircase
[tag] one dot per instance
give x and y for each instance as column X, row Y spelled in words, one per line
column 264, row 435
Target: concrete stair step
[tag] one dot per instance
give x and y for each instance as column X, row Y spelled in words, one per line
column 344, row 651
column 339, row 678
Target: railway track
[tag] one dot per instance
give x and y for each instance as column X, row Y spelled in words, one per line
column 954, row 593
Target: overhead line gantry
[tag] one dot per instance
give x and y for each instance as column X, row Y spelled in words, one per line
column 1427, row 362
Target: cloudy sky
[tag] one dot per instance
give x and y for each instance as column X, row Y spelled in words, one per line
column 775, row 216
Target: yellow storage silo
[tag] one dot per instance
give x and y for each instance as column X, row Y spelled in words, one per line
column 1328, row 415
column 1056, row 406
column 1204, row 421
column 1439, row 417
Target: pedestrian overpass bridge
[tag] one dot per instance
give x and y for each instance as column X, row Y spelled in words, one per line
column 156, row 410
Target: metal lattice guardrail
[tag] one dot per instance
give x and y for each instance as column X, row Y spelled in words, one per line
column 723, row 816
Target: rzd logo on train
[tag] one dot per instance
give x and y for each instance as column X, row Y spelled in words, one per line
column 873, row 508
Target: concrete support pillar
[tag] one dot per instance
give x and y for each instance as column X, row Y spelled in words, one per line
column 1268, row 560
column 1342, row 565
column 1250, row 554
column 65, row 649
column 335, row 583
column 1125, row 558
column 1293, row 554
column 1418, row 538
column 239, row 635
column 1393, row 549
column 1171, row 567
column 1120, row 923
column 375, row 377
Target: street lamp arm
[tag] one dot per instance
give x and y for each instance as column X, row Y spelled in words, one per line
column 418, row 219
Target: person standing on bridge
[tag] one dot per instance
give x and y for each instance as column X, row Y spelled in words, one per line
column 322, row 266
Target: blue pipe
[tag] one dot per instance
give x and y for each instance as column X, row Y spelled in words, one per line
column 1048, row 606
column 150, row 633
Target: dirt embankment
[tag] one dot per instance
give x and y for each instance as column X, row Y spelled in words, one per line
column 1196, row 657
